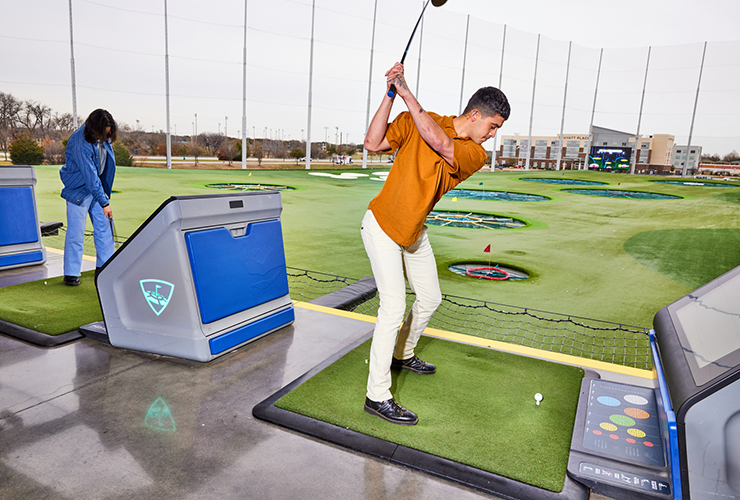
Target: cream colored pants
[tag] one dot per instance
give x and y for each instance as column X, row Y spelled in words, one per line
column 390, row 263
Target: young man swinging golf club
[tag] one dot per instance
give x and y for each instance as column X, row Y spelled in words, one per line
column 434, row 154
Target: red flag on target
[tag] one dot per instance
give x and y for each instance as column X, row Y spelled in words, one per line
column 488, row 249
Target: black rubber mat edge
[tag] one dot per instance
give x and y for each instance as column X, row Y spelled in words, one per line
column 38, row 338
column 488, row 482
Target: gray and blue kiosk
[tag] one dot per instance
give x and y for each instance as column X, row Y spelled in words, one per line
column 20, row 233
column 680, row 439
column 201, row 277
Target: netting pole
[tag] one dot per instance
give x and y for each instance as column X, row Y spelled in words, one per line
column 245, row 151
column 531, row 112
column 418, row 66
column 310, row 91
column 465, row 58
column 593, row 112
column 562, row 118
column 370, row 84
column 639, row 117
column 167, row 86
column 693, row 115
column 500, row 79
column 72, row 63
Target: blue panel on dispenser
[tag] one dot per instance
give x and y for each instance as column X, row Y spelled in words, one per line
column 232, row 274
column 21, row 227
column 20, row 258
column 250, row 331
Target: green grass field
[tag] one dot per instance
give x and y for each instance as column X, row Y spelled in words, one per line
column 610, row 259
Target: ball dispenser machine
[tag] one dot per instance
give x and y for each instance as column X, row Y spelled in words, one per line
column 201, row 277
column 20, row 235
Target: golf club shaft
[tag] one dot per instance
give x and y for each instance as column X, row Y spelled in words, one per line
column 392, row 90
column 112, row 230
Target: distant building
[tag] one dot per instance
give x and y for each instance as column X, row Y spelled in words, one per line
column 681, row 155
column 650, row 154
column 544, row 151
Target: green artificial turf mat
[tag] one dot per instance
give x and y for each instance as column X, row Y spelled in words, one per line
column 478, row 409
column 692, row 257
column 49, row 306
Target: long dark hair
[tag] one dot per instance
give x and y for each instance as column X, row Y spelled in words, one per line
column 96, row 124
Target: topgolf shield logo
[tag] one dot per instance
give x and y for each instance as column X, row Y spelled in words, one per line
column 157, row 294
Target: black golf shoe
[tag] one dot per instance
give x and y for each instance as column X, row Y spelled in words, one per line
column 391, row 411
column 414, row 364
column 72, row 281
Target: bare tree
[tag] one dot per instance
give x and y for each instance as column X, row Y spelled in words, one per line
column 270, row 147
column 731, row 156
column 63, row 124
column 227, row 151
column 35, row 115
column 53, row 151
column 196, row 150
column 259, row 153
column 9, row 109
column 211, row 142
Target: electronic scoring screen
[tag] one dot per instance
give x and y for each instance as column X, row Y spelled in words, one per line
column 609, row 158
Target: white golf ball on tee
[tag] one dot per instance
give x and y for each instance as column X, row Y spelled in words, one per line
column 538, row 398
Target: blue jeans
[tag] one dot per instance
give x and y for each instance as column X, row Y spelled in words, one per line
column 73, row 242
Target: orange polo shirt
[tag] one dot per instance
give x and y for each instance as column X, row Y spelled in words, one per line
column 420, row 177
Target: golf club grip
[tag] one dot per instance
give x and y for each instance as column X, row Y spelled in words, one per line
column 392, row 91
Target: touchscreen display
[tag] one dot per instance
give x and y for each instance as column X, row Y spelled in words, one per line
column 711, row 325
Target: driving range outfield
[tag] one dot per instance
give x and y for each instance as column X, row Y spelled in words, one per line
column 615, row 260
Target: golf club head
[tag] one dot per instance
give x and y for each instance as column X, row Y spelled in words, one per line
column 438, row 3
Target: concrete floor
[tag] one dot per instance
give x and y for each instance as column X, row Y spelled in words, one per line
column 87, row 420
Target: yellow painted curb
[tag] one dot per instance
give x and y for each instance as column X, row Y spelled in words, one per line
column 494, row 344
column 61, row 252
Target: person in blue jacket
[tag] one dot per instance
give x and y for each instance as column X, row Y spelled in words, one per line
column 88, row 180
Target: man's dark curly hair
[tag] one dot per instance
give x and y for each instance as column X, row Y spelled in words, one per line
column 489, row 101
column 96, row 124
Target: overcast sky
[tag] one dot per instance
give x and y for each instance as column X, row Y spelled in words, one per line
column 120, row 45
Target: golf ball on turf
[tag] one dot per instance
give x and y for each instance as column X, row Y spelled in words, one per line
column 538, row 398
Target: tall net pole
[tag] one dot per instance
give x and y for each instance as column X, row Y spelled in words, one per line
column 562, row 118
column 465, row 58
column 369, row 85
column 500, row 80
column 244, row 93
column 167, row 86
column 72, row 63
column 593, row 111
column 693, row 115
column 310, row 91
column 639, row 117
column 531, row 112
column 418, row 66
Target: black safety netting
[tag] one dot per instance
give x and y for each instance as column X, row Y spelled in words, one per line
column 575, row 336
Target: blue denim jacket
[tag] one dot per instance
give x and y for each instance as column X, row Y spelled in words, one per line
column 80, row 173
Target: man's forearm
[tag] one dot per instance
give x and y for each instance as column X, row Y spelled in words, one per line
column 375, row 137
